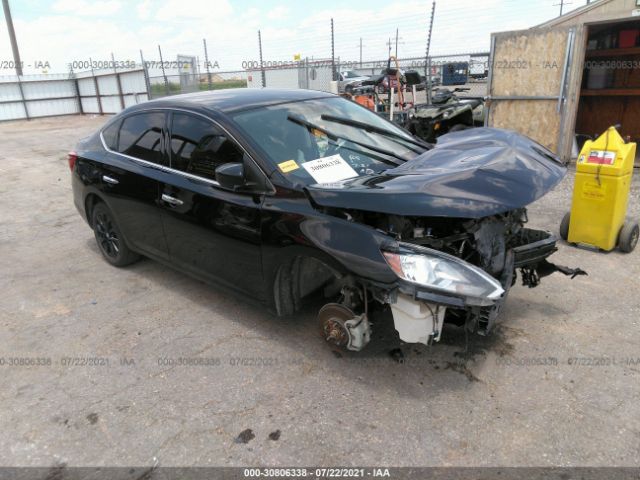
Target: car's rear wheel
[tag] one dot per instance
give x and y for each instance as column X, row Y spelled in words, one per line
column 110, row 239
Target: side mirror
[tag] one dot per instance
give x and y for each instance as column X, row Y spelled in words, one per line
column 230, row 175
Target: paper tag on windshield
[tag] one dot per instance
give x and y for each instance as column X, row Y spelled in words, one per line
column 329, row 169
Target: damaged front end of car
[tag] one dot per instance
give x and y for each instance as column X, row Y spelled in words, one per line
column 453, row 231
column 464, row 276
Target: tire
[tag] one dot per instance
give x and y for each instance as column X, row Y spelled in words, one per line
column 564, row 226
column 459, row 127
column 109, row 238
column 628, row 238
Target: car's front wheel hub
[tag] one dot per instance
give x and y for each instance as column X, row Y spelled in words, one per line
column 333, row 318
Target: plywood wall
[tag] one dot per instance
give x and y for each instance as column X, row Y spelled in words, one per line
column 533, row 118
column 529, row 63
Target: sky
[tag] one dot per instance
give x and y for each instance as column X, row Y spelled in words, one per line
column 53, row 34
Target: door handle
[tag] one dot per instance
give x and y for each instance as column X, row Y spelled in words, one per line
column 171, row 200
column 110, row 180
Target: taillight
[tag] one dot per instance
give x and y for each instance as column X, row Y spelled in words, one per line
column 73, row 156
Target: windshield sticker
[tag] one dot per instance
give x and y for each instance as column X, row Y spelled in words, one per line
column 329, row 169
column 288, row 166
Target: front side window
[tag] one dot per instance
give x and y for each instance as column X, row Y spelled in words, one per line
column 198, row 146
column 141, row 136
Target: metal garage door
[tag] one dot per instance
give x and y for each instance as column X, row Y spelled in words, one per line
column 528, row 84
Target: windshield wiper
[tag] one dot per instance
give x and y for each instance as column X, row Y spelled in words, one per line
column 334, row 136
column 381, row 131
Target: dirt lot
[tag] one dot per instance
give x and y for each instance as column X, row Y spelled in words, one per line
column 510, row 399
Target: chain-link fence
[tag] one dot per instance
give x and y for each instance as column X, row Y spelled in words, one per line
column 317, row 53
column 467, row 72
column 109, row 86
column 111, row 90
column 164, row 85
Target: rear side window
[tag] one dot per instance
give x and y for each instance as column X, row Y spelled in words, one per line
column 198, row 146
column 141, row 136
column 110, row 135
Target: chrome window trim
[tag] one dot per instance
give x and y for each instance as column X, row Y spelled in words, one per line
column 180, row 172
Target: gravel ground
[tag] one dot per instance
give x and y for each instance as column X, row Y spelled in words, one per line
column 510, row 399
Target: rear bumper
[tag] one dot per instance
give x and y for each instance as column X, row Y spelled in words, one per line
column 78, row 195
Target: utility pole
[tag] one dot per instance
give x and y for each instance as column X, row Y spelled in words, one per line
column 396, row 42
column 360, row 52
column 562, row 4
column 333, row 53
column 262, row 73
column 164, row 74
column 206, row 60
column 12, row 37
column 391, row 44
column 427, row 60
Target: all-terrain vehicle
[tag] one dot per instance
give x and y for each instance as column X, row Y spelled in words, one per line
column 446, row 113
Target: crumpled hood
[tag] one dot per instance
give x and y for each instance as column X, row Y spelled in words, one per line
column 469, row 174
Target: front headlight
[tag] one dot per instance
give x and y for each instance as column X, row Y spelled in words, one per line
column 445, row 273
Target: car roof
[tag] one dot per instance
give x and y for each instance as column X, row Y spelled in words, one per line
column 236, row 99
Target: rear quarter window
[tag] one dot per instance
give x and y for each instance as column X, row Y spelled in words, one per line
column 141, row 136
column 110, row 135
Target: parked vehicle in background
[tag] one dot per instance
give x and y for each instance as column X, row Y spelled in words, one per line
column 348, row 79
column 478, row 69
column 447, row 113
column 387, row 81
column 455, row 73
column 435, row 80
column 290, row 195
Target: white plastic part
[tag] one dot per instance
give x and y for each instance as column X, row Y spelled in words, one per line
column 333, row 87
column 417, row 322
column 359, row 332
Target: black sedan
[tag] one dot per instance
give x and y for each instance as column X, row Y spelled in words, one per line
column 286, row 195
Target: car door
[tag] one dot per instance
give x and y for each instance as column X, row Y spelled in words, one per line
column 130, row 179
column 210, row 231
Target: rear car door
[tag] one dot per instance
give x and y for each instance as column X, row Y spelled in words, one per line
column 130, row 179
column 212, row 232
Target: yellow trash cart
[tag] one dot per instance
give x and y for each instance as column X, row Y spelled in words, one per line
column 601, row 194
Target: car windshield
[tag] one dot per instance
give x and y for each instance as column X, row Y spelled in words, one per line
column 310, row 143
column 350, row 74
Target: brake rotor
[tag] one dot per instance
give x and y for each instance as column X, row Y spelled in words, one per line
column 333, row 318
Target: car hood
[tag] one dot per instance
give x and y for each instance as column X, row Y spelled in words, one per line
column 469, row 174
